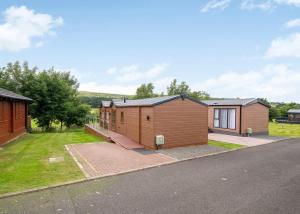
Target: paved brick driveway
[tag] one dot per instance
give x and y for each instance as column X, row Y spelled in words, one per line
column 100, row 159
column 246, row 141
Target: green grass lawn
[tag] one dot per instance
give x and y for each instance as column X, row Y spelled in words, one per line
column 24, row 163
column 283, row 129
column 224, row 145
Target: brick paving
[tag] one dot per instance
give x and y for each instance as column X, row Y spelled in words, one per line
column 246, row 141
column 101, row 159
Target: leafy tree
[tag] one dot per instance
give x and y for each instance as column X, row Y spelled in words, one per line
column 200, row 95
column 183, row 88
column 175, row 89
column 58, row 90
column 283, row 108
column 54, row 93
column 145, row 91
column 76, row 115
column 273, row 113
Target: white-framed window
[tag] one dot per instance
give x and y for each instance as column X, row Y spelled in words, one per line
column 216, row 118
column 225, row 118
column 231, row 118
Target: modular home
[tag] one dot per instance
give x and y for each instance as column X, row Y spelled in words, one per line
column 238, row 116
column 13, row 115
column 294, row 115
column 180, row 119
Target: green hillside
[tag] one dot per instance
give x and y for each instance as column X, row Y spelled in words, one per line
column 94, row 99
column 102, row 95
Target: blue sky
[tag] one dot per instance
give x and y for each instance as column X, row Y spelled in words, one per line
column 228, row 48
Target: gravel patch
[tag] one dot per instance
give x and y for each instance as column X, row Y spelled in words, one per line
column 181, row 153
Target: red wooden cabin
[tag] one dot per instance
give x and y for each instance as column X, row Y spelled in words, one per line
column 13, row 115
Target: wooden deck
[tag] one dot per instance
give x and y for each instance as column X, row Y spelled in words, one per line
column 119, row 139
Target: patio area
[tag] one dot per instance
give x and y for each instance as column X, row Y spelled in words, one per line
column 245, row 141
column 103, row 159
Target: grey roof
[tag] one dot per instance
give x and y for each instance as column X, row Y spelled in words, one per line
column 10, row 94
column 145, row 102
column 294, row 111
column 106, row 103
column 234, row 102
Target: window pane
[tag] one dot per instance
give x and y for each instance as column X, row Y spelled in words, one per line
column 231, row 118
column 216, row 118
column 223, row 118
column 216, row 115
column 216, row 123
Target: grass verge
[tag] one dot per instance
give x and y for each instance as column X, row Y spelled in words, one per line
column 224, row 145
column 284, row 129
column 24, row 163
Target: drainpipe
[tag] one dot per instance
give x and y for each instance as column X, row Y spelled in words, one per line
column 240, row 120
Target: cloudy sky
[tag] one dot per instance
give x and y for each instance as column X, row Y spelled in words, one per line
column 229, row 48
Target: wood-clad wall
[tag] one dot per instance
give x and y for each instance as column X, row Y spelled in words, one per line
column 182, row 122
column 255, row 116
column 12, row 119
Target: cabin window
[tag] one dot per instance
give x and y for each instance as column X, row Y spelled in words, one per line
column 122, row 116
column 216, row 118
column 225, row 118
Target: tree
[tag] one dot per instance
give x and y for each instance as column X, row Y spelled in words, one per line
column 145, row 91
column 54, row 93
column 59, row 94
column 76, row 115
column 175, row 89
column 283, row 108
column 183, row 88
column 273, row 113
column 200, row 95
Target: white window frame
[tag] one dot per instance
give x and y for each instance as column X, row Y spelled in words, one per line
column 219, row 117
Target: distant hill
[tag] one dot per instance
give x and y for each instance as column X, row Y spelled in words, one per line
column 102, row 95
column 94, row 98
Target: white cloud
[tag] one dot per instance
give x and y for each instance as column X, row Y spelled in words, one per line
column 161, row 84
column 39, row 44
column 285, row 47
column 215, row 4
column 289, row 2
column 134, row 72
column 21, row 25
column 293, row 23
column 127, row 89
column 264, row 5
column 251, row 5
column 111, row 71
column 275, row 82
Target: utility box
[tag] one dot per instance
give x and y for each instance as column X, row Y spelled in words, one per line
column 160, row 140
column 249, row 131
